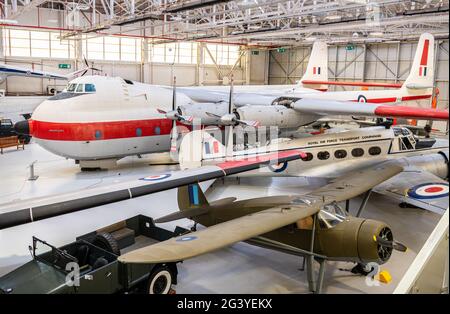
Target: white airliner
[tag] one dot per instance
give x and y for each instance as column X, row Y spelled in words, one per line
column 98, row 119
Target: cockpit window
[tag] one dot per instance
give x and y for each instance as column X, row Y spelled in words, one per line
column 89, row 88
column 80, row 88
column 71, row 88
column 330, row 215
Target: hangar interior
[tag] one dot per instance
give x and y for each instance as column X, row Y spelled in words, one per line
column 206, row 43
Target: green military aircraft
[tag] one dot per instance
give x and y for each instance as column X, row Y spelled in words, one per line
column 311, row 225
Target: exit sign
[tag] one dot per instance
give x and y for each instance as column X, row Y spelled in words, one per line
column 350, row 47
column 64, row 66
column 281, row 49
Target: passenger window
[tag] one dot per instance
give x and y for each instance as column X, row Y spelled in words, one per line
column 71, row 88
column 138, row 132
column 308, row 157
column 375, row 150
column 80, row 88
column 357, row 152
column 89, row 88
column 157, row 130
column 98, row 134
column 341, row 153
column 323, row 155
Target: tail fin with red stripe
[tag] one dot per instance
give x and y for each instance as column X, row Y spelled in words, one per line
column 422, row 69
column 317, row 69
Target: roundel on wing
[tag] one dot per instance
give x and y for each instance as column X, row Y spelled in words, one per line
column 156, row 177
column 428, row 190
column 362, row 98
column 278, row 167
column 186, row 238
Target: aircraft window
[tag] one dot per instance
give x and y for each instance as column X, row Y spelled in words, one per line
column 357, row 152
column 138, row 132
column 80, row 88
column 308, row 157
column 89, row 88
column 330, row 215
column 341, row 153
column 157, row 130
column 71, row 88
column 323, row 155
column 98, row 134
column 375, row 150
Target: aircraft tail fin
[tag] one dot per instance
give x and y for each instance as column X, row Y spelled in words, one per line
column 197, row 146
column 191, row 197
column 421, row 76
column 317, row 69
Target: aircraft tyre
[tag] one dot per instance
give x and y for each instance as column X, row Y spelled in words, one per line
column 160, row 280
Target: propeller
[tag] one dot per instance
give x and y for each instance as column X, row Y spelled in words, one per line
column 390, row 244
column 174, row 133
column 88, row 67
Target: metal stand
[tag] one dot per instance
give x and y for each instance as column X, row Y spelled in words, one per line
column 32, row 176
column 364, row 202
column 347, row 206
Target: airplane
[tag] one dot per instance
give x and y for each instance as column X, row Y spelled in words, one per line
column 423, row 183
column 7, row 70
column 313, row 226
column 103, row 119
column 295, row 106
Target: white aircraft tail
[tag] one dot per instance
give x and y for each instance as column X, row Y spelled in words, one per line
column 420, row 79
column 317, row 69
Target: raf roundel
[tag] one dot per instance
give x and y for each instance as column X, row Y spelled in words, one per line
column 186, row 238
column 279, row 167
column 156, row 177
column 428, row 190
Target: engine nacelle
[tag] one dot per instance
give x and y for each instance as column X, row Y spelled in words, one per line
column 199, row 110
column 353, row 239
column 276, row 115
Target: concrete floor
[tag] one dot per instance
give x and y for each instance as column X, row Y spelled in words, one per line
column 241, row 268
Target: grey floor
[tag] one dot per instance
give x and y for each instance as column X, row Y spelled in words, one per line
column 241, row 268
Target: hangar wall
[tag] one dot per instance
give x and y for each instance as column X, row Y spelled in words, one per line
column 378, row 62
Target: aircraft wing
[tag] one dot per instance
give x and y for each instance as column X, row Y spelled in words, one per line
column 419, row 188
column 224, row 234
column 333, row 107
column 21, row 212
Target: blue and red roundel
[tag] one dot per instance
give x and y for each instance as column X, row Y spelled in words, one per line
column 279, row 167
column 428, row 190
column 156, row 177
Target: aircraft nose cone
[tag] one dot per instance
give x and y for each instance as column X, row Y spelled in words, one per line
column 22, row 127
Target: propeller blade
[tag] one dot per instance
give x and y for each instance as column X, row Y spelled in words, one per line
column 391, row 244
column 84, row 72
column 85, row 61
column 248, row 122
column 186, row 119
column 174, row 93
column 230, row 99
